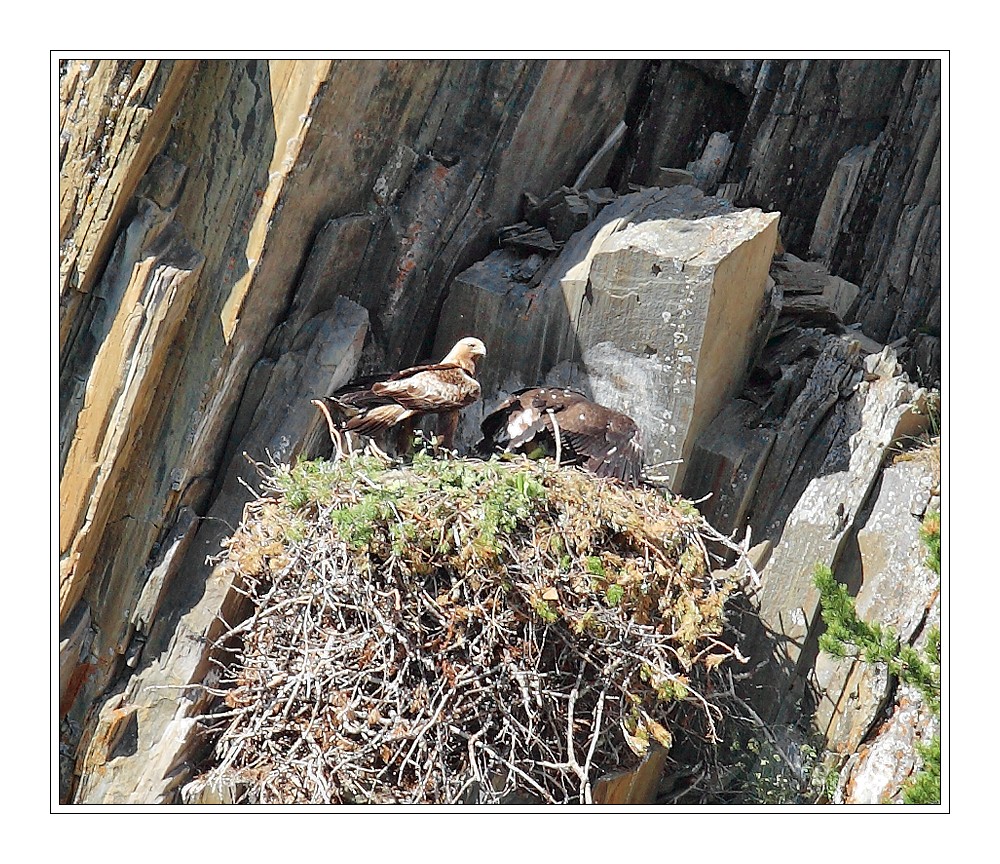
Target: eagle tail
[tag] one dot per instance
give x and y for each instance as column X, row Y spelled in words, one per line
column 378, row 419
column 341, row 408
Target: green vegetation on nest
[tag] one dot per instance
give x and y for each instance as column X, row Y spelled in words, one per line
column 392, row 506
column 462, row 515
column 450, row 616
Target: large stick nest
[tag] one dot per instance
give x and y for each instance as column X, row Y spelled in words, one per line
column 463, row 631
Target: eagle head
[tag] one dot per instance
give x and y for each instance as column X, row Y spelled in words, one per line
column 465, row 353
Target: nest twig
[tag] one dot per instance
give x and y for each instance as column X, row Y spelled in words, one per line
column 461, row 631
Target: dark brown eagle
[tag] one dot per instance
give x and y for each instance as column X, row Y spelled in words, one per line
column 603, row 441
column 376, row 403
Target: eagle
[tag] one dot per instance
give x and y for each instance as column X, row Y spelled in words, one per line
column 376, row 403
column 605, row 442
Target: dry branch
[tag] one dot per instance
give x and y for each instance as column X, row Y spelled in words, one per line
column 461, row 631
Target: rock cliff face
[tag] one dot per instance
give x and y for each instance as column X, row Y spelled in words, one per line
column 237, row 236
column 662, row 284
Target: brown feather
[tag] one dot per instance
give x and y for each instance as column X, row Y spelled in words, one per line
column 377, row 420
column 375, row 403
column 604, row 441
column 441, row 388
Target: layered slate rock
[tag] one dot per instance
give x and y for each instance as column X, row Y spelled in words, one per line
column 654, row 309
column 810, row 292
column 878, row 772
column 116, row 399
column 396, row 174
column 897, row 589
column 322, row 356
column 884, row 204
column 851, row 418
column 848, row 150
column 114, row 117
column 727, row 462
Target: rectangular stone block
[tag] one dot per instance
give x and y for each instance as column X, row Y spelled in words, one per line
column 653, row 309
column 683, row 291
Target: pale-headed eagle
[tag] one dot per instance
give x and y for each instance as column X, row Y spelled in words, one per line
column 605, row 442
column 376, row 403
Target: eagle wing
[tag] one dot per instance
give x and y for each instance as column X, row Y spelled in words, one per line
column 357, row 396
column 430, row 389
column 523, row 417
column 606, row 442
column 374, row 403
